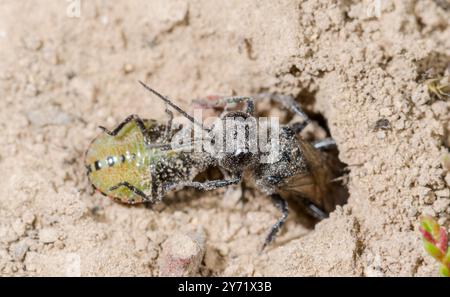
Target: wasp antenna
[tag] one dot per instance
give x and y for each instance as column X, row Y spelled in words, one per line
column 176, row 107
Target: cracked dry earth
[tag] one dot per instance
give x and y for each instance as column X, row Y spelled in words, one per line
column 61, row 77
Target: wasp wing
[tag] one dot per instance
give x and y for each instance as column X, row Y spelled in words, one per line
column 316, row 184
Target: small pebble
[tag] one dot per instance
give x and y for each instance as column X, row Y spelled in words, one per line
column 442, row 221
column 128, row 68
column 33, row 43
column 445, row 193
column 19, row 250
column 381, row 135
column 426, row 194
column 447, row 179
column 7, row 235
column 412, row 212
column 48, row 235
column 428, row 211
column 441, row 205
column 31, row 90
column 28, row 218
column 429, row 198
column 19, row 227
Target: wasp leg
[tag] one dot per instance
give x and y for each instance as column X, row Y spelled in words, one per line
column 220, row 101
column 132, row 188
column 288, row 102
column 299, row 126
column 314, row 210
column 282, row 205
column 324, row 143
column 211, row 185
column 205, row 186
column 133, row 117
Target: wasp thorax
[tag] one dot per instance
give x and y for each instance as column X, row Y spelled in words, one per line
column 234, row 141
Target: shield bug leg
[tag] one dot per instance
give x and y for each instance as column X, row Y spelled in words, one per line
column 324, row 143
column 133, row 117
column 281, row 205
column 133, row 189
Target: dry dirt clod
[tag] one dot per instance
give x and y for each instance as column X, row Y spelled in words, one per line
column 182, row 254
column 127, row 68
column 28, row 218
column 447, row 179
column 441, row 205
column 19, row 250
column 7, row 235
column 19, row 227
column 444, row 193
column 48, row 235
column 32, row 43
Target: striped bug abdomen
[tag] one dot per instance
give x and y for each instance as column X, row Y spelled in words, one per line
column 123, row 158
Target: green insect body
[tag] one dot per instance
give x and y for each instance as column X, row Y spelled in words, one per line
column 125, row 168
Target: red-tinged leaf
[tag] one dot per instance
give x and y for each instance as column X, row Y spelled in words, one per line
column 433, row 250
column 425, row 222
column 431, row 226
column 444, row 271
column 435, row 231
column 427, row 236
column 442, row 244
column 435, row 242
column 446, row 260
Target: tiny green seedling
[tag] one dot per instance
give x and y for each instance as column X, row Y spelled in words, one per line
column 435, row 242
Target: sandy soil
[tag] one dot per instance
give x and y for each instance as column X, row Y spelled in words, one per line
column 61, row 77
